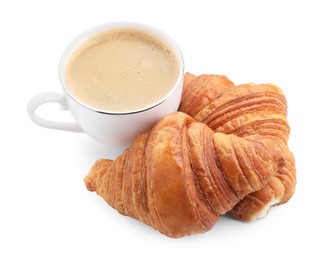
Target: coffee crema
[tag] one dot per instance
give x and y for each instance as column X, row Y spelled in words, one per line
column 121, row 70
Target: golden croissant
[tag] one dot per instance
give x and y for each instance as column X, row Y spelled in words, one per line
column 225, row 152
column 246, row 110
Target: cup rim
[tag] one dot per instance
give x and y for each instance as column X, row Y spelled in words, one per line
column 122, row 25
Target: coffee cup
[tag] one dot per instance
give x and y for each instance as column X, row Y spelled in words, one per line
column 118, row 79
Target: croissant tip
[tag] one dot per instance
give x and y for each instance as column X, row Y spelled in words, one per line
column 89, row 184
column 97, row 169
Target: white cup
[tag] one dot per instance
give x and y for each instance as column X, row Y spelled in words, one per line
column 108, row 127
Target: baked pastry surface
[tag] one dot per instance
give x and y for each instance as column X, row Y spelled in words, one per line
column 226, row 151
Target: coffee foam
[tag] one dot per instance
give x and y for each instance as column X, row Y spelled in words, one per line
column 121, row 70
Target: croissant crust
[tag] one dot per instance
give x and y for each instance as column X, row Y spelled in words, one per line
column 225, row 151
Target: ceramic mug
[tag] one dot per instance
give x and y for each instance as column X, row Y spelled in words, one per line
column 110, row 128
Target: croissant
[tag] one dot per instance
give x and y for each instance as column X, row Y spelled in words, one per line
column 255, row 110
column 226, row 153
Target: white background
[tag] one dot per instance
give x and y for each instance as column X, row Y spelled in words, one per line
column 45, row 210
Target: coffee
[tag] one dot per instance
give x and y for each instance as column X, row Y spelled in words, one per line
column 121, row 70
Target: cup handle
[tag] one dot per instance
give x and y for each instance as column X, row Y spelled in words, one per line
column 43, row 98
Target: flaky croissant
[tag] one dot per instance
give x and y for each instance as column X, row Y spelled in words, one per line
column 185, row 172
column 246, row 110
